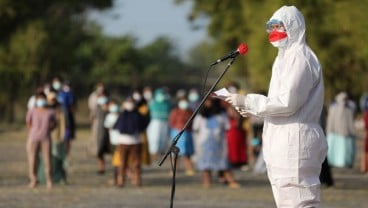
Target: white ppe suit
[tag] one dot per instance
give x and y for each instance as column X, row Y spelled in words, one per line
column 294, row 145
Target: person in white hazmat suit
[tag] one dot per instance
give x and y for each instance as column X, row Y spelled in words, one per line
column 294, row 144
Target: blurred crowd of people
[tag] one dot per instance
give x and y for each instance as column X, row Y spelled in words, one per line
column 339, row 122
column 137, row 129
column 51, row 124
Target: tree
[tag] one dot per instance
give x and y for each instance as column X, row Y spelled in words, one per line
column 336, row 30
column 38, row 39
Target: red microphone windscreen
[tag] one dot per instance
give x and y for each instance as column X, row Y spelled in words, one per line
column 243, row 49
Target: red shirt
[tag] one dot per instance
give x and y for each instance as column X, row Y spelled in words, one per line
column 178, row 117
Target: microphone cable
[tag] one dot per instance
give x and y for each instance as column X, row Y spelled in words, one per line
column 205, row 80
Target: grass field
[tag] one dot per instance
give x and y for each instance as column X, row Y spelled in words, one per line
column 87, row 189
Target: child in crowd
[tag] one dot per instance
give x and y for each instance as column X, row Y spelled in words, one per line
column 142, row 108
column 40, row 122
column 109, row 123
column 129, row 142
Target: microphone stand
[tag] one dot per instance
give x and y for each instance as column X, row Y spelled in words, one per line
column 173, row 149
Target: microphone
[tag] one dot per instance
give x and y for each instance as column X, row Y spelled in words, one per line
column 242, row 49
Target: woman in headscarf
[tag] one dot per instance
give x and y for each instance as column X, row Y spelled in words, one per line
column 209, row 128
column 158, row 128
column 340, row 133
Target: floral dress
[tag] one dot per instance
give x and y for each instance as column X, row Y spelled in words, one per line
column 210, row 134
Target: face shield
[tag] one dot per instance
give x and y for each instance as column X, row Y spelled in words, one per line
column 274, row 24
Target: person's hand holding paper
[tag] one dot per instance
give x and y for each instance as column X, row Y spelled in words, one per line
column 237, row 100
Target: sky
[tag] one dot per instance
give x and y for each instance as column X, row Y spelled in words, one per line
column 149, row 19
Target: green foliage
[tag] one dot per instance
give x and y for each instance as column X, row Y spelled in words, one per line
column 336, row 31
column 43, row 38
column 163, row 66
column 119, row 63
column 38, row 39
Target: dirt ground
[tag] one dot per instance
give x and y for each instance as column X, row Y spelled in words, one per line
column 86, row 189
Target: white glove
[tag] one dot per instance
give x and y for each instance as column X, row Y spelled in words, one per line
column 242, row 112
column 236, row 100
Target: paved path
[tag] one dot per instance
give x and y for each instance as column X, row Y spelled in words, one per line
column 86, row 189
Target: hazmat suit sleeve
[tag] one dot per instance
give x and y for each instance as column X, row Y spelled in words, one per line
column 295, row 82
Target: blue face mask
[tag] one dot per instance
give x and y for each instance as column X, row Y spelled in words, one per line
column 56, row 85
column 193, row 97
column 102, row 100
column 183, row 105
column 41, row 102
column 113, row 108
column 160, row 97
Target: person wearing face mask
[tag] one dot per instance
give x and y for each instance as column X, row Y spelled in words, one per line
column 92, row 98
column 58, row 150
column 158, row 128
column 67, row 102
column 142, row 108
column 102, row 139
column 294, row 145
column 92, row 106
column 110, row 120
column 129, row 125
column 340, row 133
column 177, row 119
column 31, row 103
column 209, row 129
column 193, row 99
column 40, row 122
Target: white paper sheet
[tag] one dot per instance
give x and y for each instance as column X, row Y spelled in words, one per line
column 222, row 93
